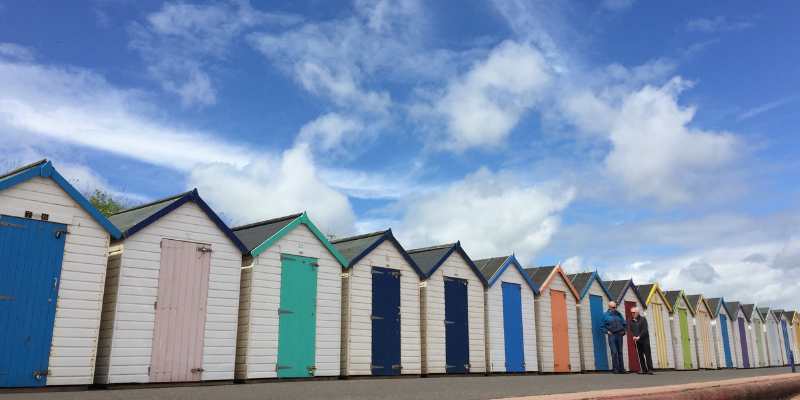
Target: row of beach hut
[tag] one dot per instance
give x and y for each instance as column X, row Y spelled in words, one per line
column 167, row 292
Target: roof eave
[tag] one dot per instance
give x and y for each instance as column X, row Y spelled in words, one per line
column 302, row 219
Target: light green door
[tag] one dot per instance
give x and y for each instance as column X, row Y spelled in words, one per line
column 687, row 346
column 298, row 317
column 758, row 344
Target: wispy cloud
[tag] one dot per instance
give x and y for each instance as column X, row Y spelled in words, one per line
column 718, row 24
column 766, row 107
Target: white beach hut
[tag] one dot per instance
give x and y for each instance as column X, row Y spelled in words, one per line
column 741, row 334
column 658, row 315
column 627, row 296
column 682, row 321
column 593, row 343
column 773, row 334
column 723, row 333
column 703, row 331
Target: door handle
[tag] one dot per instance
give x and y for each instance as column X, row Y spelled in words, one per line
column 55, row 284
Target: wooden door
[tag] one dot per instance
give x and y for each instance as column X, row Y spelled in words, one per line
column 179, row 331
column 558, row 313
column 726, row 344
column 456, row 324
column 512, row 327
column 297, row 329
column 759, row 342
column 660, row 334
column 598, row 337
column 633, row 357
column 31, row 253
column 385, row 322
column 686, row 345
column 743, row 344
column 702, row 320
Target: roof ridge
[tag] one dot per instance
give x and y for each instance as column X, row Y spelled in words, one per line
column 152, row 203
column 347, row 239
column 21, row 169
column 269, row 221
column 421, row 249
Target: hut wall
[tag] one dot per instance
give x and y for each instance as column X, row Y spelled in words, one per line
column 83, row 272
column 545, row 327
column 495, row 331
column 265, row 296
column 137, row 291
column 357, row 339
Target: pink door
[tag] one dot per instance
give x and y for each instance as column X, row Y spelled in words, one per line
column 180, row 312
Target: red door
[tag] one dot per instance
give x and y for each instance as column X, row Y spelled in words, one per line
column 177, row 354
column 633, row 358
column 558, row 314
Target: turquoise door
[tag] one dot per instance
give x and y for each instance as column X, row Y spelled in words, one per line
column 297, row 328
column 31, row 252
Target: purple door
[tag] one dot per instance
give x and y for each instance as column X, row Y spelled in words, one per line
column 743, row 339
column 177, row 354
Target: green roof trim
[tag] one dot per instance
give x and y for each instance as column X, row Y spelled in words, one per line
column 302, row 219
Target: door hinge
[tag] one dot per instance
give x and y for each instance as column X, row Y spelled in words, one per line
column 280, row 367
column 375, row 366
column 565, row 295
column 204, row 249
column 155, row 305
column 311, row 368
column 397, row 367
column 40, row 374
column 372, row 317
column 467, row 366
column 284, row 312
column 10, row 225
column 7, row 298
column 375, row 271
column 148, row 370
column 195, row 370
column 284, row 258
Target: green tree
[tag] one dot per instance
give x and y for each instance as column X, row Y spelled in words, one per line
column 105, row 202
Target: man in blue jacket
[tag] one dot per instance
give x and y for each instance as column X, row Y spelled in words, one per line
column 614, row 325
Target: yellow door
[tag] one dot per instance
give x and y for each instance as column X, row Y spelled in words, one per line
column 661, row 338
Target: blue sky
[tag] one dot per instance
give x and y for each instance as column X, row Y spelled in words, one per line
column 646, row 139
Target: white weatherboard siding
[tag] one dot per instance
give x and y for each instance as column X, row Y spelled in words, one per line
column 357, row 325
column 677, row 345
column 586, row 328
column 137, row 290
column 433, row 361
column 545, row 327
column 83, row 272
column 109, row 309
column 630, row 295
column 262, row 334
column 496, row 332
column 665, row 320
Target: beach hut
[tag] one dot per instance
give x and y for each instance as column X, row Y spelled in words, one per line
column 702, row 331
column 681, row 321
column 53, row 253
column 510, row 316
column 658, row 310
column 741, row 334
column 557, row 320
column 627, row 296
column 380, row 307
column 787, row 335
column 758, row 352
column 452, row 311
column 723, row 333
column 170, row 307
column 773, row 334
column 290, row 310
column 593, row 343
column 795, row 321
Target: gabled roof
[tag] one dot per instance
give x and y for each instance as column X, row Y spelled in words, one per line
column 718, row 303
column 429, row 259
column 492, row 269
column 697, row 300
column 132, row 220
column 583, row 281
column 260, row 236
column 765, row 312
column 752, row 311
column 652, row 289
column 789, row 314
column 538, row 275
column 355, row 248
column 45, row 169
column 674, row 296
column 619, row 288
column 777, row 313
column 736, row 306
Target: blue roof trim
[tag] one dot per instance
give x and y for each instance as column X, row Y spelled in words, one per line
column 192, row 196
column 723, row 303
column 512, row 260
column 47, row 170
column 388, row 236
column 458, row 247
column 596, row 276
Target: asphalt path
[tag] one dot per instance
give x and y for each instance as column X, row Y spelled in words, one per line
column 439, row 388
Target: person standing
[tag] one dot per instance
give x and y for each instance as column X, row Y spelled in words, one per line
column 614, row 325
column 641, row 338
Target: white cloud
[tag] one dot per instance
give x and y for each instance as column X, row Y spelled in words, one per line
column 78, row 107
column 273, row 186
column 718, row 24
column 573, row 265
column 701, row 272
column 15, row 51
column 481, row 108
column 180, row 42
column 656, row 153
column 330, row 132
column 491, row 214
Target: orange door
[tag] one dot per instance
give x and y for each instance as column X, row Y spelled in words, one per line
column 558, row 313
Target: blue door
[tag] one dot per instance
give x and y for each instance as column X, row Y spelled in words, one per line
column 726, row 344
column 30, row 268
column 385, row 322
column 456, row 327
column 786, row 341
column 598, row 337
column 512, row 327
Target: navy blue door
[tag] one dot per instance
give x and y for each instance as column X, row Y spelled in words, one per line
column 512, row 327
column 786, row 340
column 30, row 268
column 598, row 337
column 385, row 322
column 456, row 327
column 726, row 344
